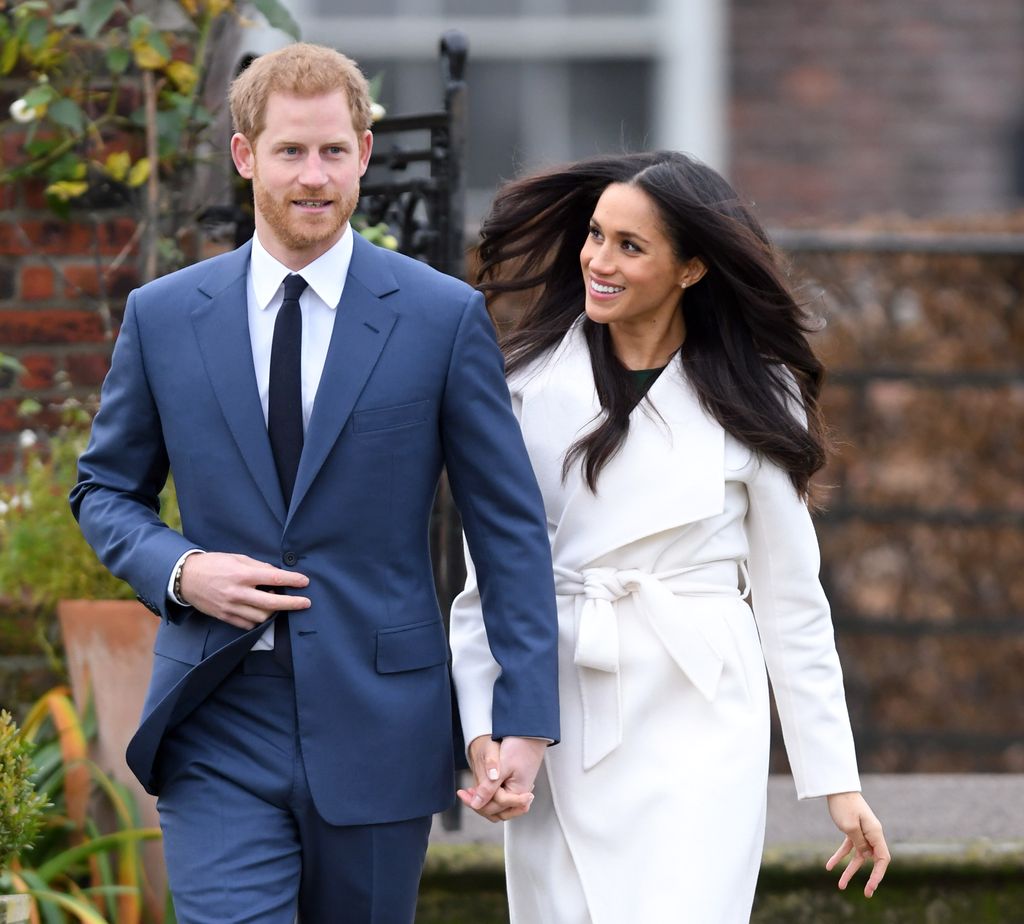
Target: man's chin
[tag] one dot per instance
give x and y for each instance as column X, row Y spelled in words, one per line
column 314, row 234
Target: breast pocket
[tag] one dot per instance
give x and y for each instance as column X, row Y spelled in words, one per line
column 376, row 420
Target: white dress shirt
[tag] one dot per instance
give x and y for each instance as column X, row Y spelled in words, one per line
column 318, row 303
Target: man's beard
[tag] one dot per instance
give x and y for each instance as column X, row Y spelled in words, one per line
column 298, row 232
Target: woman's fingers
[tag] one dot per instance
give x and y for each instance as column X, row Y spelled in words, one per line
column 843, row 850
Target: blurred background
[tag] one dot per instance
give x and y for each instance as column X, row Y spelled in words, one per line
column 882, row 143
column 819, row 111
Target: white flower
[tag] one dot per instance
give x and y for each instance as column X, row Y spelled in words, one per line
column 377, row 112
column 22, row 111
column 3, row 508
column 26, row 500
column 27, row 439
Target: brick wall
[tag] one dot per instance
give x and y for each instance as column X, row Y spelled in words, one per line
column 842, row 109
column 60, row 306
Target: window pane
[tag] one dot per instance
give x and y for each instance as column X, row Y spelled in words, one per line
column 494, row 129
column 610, row 102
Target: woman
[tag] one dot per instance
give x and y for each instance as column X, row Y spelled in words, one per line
column 669, row 401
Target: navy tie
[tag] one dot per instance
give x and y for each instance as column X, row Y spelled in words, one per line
column 284, row 406
column 284, row 417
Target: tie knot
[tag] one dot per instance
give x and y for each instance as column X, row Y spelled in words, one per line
column 294, row 286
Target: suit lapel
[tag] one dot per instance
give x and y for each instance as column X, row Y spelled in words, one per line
column 361, row 328
column 668, row 472
column 222, row 330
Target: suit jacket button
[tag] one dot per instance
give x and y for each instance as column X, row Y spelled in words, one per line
column 290, row 558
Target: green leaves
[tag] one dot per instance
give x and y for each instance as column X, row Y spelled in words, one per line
column 94, row 15
column 278, row 17
column 118, row 60
column 20, row 805
column 78, row 871
column 68, row 113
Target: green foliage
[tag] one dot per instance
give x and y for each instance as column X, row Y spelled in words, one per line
column 114, row 112
column 379, row 234
column 43, row 557
column 82, row 868
column 21, row 807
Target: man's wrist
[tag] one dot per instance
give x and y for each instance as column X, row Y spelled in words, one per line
column 174, row 588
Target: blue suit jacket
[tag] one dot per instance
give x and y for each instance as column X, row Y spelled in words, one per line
column 413, row 382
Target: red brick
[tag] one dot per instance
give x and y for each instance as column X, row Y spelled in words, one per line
column 11, row 146
column 34, row 195
column 36, row 283
column 115, row 233
column 47, row 236
column 58, row 326
column 54, row 236
column 79, row 280
column 8, row 457
column 87, row 368
column 39, row 371
column 12, row 244
column 10, row 421
column 85, row 280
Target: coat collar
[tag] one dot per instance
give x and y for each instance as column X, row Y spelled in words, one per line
column 361, row 329
column 668, row 472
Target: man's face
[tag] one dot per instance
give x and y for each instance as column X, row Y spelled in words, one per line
column 305, row 168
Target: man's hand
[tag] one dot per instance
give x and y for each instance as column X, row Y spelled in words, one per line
column 505, row 775
column 864, row 838
column 227, row 586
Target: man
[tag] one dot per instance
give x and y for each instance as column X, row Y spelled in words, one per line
column 305, row 392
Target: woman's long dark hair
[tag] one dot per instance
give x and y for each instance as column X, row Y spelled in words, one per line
column 743, row 325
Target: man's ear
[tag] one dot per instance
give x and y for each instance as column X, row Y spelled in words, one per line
column 365, row 147
column 243, row 155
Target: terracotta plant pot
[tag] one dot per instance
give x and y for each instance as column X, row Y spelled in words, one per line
column 109, row 649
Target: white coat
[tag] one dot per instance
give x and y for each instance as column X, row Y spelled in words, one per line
column 652, row 806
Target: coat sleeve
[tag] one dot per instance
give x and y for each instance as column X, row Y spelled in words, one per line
column 120, row 475
column 795, row 626
column 474, row 669
column 504, row 625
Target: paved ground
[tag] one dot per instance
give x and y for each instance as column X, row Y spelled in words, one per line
column 916, row 809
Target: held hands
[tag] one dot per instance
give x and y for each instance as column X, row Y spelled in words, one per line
column 230, row 588
column 853, row 816
column 504, row 774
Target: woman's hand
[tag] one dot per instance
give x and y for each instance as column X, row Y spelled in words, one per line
column 853, row 816
column 496, row 794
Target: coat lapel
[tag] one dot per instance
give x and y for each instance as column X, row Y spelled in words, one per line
column 669, row 472
column 222, row 330
column 361, row 328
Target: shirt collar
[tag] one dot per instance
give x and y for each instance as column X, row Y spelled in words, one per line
column 325, row 275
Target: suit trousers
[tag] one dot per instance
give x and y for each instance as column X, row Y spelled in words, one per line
column 243, row 840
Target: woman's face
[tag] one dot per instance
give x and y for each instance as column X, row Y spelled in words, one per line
column 631, row 274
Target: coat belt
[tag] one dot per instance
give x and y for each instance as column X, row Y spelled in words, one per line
column 596, row 652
